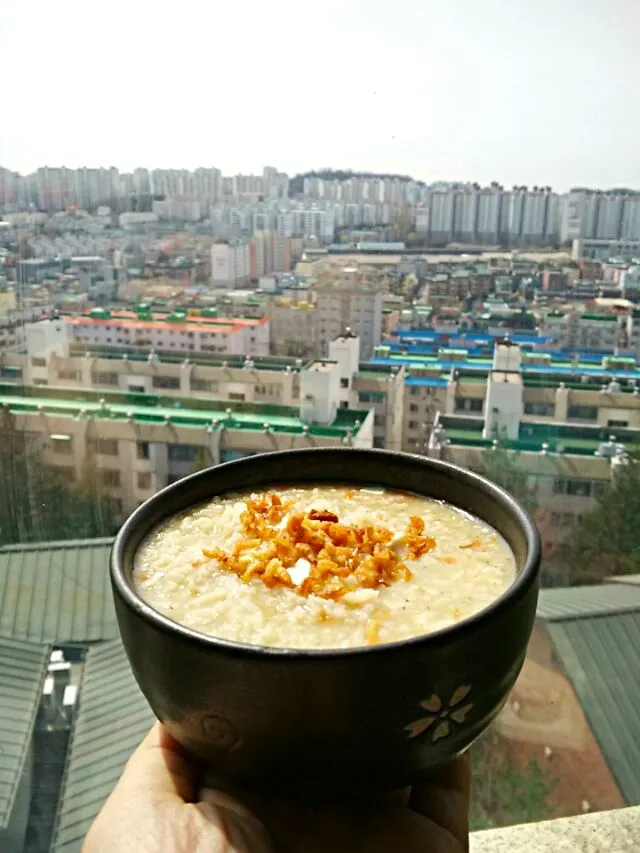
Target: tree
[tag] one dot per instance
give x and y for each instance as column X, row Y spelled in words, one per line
column 502, row 793
column 501, row 466
column 606, row 541
column 36, row 501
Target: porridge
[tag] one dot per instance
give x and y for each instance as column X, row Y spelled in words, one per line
column 322, row 567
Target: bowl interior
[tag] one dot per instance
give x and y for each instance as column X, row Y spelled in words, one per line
column 431, row 478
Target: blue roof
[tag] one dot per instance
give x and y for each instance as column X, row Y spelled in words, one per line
column 470, row 367
column 431, row 381
column 484, row 337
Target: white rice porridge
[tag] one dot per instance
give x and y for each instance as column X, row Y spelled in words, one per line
column 322, row 567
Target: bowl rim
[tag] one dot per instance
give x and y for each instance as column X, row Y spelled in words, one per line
column 519, row 587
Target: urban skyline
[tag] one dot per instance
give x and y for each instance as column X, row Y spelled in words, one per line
column 373, row 173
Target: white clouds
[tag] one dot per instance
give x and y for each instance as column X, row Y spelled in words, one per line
column 539, row 92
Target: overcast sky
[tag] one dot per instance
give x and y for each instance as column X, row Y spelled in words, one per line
column 526, row 91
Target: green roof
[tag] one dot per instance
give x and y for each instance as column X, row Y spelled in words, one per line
column 192, row 412
column 601, row 656
column 607, row 318
column 113, row 718
column 196, row 358
column 23, row 667
column 580, row 440
column 57, row 592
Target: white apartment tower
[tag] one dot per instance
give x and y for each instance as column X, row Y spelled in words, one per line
column 230, row 264
column 503, row 403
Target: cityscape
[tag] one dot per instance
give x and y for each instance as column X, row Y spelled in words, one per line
column 158, row 322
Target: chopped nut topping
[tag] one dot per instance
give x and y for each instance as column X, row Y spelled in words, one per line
column 336, row 558
column 416, row 542
column 474, row 544
column 322, row 515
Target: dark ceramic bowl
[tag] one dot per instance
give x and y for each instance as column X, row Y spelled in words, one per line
column 360, row 719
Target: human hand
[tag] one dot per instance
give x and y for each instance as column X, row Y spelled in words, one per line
column 157, row 807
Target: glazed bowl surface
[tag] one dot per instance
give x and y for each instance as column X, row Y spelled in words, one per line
column 363, row 719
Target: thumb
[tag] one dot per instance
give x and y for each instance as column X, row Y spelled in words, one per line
column 161, row 766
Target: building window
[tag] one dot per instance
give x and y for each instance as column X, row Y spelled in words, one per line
column 62, row 444
column 372, row 396
column 542, row 409
column 69, row 375
column 142, row 449
column 413, row 407
column 183, row 452
column 168, row 382
column 104, row 378
column 413, row 424
column 583, row 413
column 618, row 423
column 415, row 391
column 233, row 395
column 40, row 382
column 344, row 404
column 38, row 362
column 204, row 385
column 379, row 420
column 572, row 486
column 344, row 383
column 144, row 480
column 468, row 404
column 104, row 446
column 110, row 477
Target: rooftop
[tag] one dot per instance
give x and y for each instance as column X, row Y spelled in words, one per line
column 201, row 358
column 113, row 718
column 57, row 592
column 22, row 671
column 188, row 412
column 557, row 437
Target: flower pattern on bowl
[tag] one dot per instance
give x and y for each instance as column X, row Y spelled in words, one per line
column 444, row 714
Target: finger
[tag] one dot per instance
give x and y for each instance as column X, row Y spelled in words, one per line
column 162, row 766
column 444, row 798
column 242, row 830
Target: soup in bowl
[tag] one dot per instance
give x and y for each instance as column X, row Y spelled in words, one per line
column 327, row 620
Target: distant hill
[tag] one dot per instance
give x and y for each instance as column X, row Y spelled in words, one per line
column 296, row 184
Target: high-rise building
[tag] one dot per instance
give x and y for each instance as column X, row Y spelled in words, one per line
column 230, row 263
column 464, row 214
column 441, row 209
column 488, row 215
column 609, row 217
column 348, row 305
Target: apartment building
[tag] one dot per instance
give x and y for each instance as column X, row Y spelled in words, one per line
column 178, row 209
column 52, row 362
column 293, row 328
column 182, row 331
column 568, row 436
column 348, row 302
column 137, row 444
column 230, row 264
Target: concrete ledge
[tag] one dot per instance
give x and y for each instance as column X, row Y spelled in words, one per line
column 616, row 831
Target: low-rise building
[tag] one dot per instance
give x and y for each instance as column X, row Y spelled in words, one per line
column 181, row 330
column 53, row 361
column 135, row 443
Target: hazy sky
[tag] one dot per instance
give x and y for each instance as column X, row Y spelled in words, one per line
column 526, row 91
